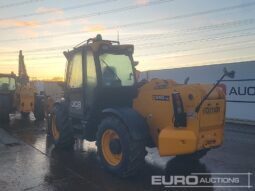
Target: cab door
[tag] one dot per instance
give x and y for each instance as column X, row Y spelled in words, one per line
column 90, row 82
column 75, row 85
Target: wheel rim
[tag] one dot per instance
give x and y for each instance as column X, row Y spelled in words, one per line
column 109, row 156
column 55, row 132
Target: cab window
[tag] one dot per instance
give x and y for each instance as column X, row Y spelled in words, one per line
column 116, row 70
column 91, row 70
column 75, row 71
column 91, row 78
column 7, row 83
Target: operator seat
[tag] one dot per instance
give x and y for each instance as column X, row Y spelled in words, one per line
column 110, row 77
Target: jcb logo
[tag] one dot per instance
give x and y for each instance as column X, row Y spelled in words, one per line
column 76, row 105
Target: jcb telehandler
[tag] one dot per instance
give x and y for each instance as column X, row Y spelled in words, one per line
column 103, row 102
column 17, row 94
column 7, row 95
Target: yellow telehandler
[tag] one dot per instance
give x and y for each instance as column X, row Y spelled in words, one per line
column 17, row 94
column 103, row 102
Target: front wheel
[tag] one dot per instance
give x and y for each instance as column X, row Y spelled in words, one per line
column 60, row 129
column 39, row 112
column 117, row 151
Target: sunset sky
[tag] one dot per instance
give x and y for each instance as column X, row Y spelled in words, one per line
column 166, row 33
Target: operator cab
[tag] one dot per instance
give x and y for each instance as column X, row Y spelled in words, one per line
column 100, row 74
column 7, row 82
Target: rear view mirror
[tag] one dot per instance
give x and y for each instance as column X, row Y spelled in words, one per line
column 136, row 63
column 230, row 74
column 186, row 80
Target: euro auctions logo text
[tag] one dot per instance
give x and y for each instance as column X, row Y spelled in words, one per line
column 174, row 180
column 230, row 180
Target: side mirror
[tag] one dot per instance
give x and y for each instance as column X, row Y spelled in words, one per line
column 67, row 55
column 130, row 76
column 186, row 80
column 230, row 74
column 136, row 63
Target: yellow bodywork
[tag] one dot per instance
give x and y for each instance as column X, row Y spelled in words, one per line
column 25, row 96
column 204, row 129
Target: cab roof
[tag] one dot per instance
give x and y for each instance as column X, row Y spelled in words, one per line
column 95, row 44
column 11, row 75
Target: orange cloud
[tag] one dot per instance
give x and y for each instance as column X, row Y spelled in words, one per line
column 5, row 23
column 18, row 23
column 26, row 23
column 49, row 10
column 142, row 2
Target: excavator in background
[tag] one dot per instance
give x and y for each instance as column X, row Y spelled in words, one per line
column 25, row 92
column 7, row 95
column 18, row 94
column 103, row 102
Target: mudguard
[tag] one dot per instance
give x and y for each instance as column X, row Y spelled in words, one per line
column 135, row 123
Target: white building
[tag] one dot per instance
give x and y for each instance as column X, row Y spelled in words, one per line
column 240, row 91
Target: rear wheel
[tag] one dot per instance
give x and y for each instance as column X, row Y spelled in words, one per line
column 111, row 147
column 4, row 117
column 5, row 107
column 25, row 115
column 117, row 151
column 39, row 108
column 60, row 127
column 48, row 118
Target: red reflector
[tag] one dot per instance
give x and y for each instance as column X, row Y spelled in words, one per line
column 180, row 119
column 178, row 102
column 223, row 87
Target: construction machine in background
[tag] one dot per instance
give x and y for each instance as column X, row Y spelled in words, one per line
column 25, row 93
column 7, row 95
column 18, row 94
column 103, row 102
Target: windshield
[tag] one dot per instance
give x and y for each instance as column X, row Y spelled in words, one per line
column 7, row 83
column 116, row 70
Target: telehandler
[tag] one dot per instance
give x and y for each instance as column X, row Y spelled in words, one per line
column 7, row 95
column 17, row 94
column 103, row 102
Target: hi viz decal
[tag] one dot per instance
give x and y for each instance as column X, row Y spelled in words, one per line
column 161, row 97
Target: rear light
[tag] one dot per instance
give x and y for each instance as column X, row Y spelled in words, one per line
column 177, row 101
column 180, row 117
column 223, row 87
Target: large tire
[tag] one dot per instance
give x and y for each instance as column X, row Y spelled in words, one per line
column 60, row 127
column 39, row 112
column 117, row 152
column 4, row 117
column 25, row 115
column 5, row 107
column 48, row 119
